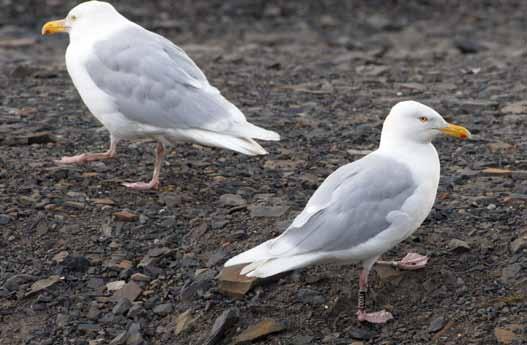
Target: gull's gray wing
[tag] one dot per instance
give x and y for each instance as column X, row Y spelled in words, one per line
column 154, row 82
column 350, row 207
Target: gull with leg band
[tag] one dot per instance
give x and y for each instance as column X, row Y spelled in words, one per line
column 365, row 208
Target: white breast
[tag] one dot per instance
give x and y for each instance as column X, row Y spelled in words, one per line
column 98, row 102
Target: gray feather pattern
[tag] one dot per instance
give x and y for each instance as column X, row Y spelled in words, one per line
column 154, row 82
column 356, row 200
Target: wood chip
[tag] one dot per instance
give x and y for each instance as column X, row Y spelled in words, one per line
column 231, row 283
column 125, row 216
column 496, row 171
column 59, row 258
column 44, row 284
column 506, row 335
column 259, row 330
column 184, row 321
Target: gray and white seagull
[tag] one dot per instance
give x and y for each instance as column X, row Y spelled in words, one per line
column 140, row 85
column 364, row 208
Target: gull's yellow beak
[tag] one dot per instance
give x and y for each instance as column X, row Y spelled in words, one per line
column 456, row 131
column 54, row 26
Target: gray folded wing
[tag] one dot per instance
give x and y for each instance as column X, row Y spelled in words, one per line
column 154, row 82
column 349, row 208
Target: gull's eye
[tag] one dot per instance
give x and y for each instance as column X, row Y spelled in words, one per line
column 423, row 119
column 73, row 17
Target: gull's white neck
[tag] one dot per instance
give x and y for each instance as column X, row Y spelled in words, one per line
column 422, row 158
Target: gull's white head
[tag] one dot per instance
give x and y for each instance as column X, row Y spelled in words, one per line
column 411, row 121
column 87, row 18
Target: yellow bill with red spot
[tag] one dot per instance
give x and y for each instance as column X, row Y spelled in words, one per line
column 54, row 27
column 456, row 131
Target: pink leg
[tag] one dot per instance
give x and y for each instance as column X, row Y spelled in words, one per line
column 377, row 317
column 90, row 157
column 154, row 183
column 412, row 261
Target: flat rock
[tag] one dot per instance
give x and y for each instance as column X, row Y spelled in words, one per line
column 218, row 256
column 94, row 312
column 519, row 243
column 122, row 306
column 388, row 273
column 153, row 256
column 506, row 335
column 103, row 201
column 4, row 219
column 134, row 335
column 261, row 329
column 184, row 321
column 458, row 246
column 59, row 257
column 135, row 310
column 120, row 339
column 231, row 283
column 43, row 284
column 226, row 320
column 125, row 216
column 129, row 290
column 515, row 108
column 163, row 309
column 116, row 285
column 437, row 324
column 140, row 277
column 232, row 200
column 194, row 289
column 14, row 282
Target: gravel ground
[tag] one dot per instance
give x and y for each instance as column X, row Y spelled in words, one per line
column 322, row 73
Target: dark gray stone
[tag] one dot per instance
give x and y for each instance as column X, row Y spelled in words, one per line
column 225, row 321
column 122, row 306
column 437, row 324
column 163, row 309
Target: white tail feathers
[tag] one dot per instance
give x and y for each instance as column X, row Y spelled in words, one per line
column 242, row 145
column 255, row 132
column 261, row 264
column 258, row 253
column 271, row 267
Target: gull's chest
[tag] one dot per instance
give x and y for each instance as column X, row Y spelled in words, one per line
column 99, row 103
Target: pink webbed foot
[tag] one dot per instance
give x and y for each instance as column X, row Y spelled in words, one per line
column 411, row 262
column 382, row 316
column 79, row 159
column 86, row 157
column 143, row 185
